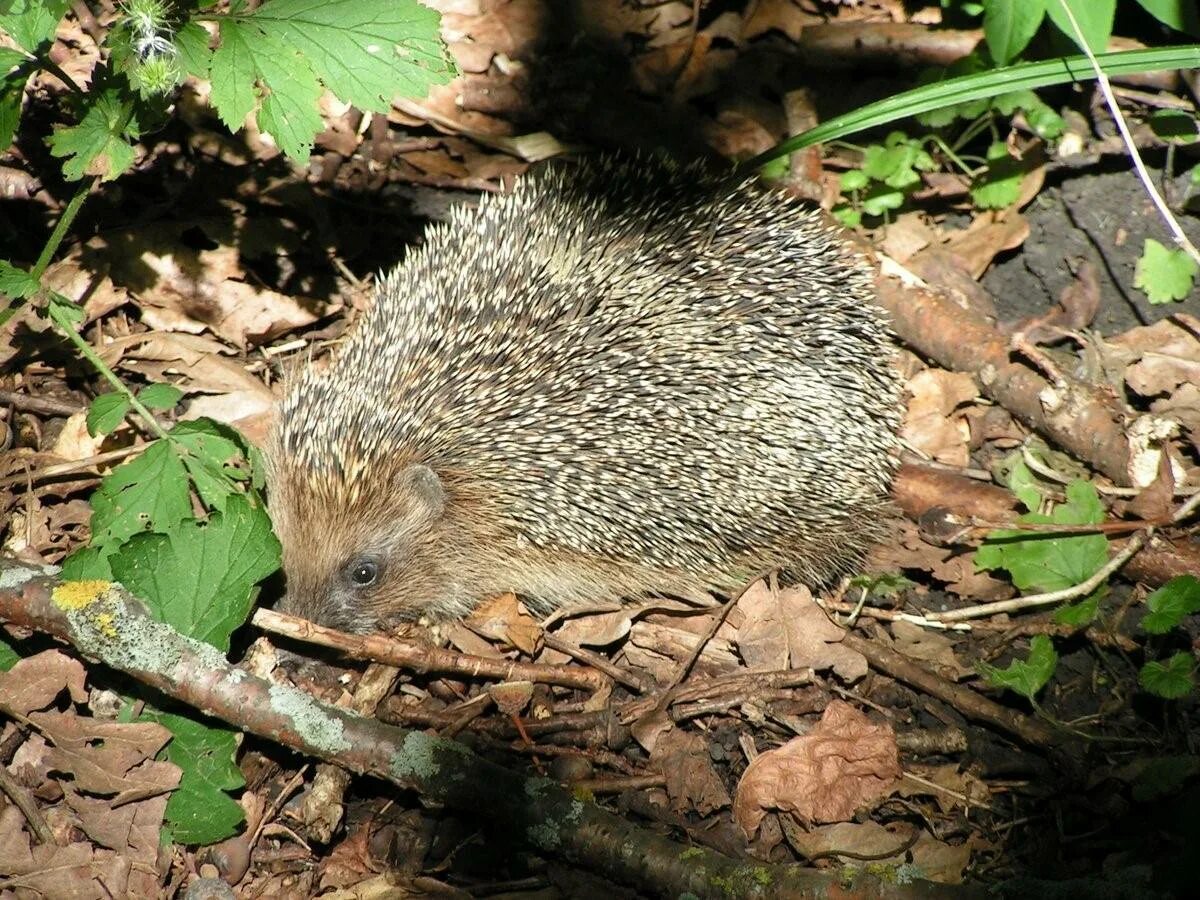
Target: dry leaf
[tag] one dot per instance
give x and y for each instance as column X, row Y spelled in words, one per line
column 844, row 763
column 504, row 618
column 930, row 423
column 692, row 781
column 36, row 681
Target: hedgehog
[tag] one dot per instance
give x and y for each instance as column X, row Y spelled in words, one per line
column 623, row 378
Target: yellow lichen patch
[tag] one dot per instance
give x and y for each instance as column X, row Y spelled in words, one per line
column 78, row 594
column 104, row 623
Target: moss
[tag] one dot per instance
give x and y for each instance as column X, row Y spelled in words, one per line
column 319, row 728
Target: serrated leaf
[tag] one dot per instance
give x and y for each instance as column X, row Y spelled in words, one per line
column 210, row 460
column 848, row 216
column 289, row 109
column 1095, row 18
column 191, row 41
column 1009, row 25
column 200, row 810
column 106, row 413
column 30, row 23
column 364, row 51
column 1164, row 275
column 854, row 180
column 66, row 314
column 880, row 198
column 160, row 396
column 16, row 284
column 148, row 493
column 1170, row 680
column 200, row 577
column 1168, row 605
column 12, row 89
column 1042, row 562
column 99, row 144
column 233, row 75
column 1026, row 677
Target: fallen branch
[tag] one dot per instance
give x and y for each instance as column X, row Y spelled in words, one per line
column 103, row 621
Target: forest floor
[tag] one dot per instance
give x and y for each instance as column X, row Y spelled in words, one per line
column 857, row 728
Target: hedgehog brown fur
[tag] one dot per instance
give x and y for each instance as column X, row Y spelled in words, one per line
column 624, row 377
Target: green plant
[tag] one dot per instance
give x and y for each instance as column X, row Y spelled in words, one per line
column 183, row 525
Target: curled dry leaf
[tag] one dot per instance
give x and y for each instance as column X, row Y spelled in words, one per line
column 511, row 697
column 504, row 618
column 36, row 681
column 937, row 860
column 845, row 762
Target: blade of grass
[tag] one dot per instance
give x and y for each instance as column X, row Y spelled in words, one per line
column 986, row 84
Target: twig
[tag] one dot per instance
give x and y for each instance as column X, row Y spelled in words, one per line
column 1181, row 239
column 21, row 799
column 100, row 459
column 630, row 679
column 423, row 658
column 41, row 405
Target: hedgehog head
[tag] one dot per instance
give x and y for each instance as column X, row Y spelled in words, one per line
column 360, row 552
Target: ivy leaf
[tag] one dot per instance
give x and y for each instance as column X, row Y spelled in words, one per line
column 1164, row 275
column 106, row 413
column 1026, row 677
column 200, row 577
column 200, row 810
column 1168, row 606
column 1170, row 680
column 1009, row 25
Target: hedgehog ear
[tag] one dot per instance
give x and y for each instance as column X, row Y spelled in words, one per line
column 423, row 484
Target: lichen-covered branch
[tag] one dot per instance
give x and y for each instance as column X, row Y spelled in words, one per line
column 105, row 622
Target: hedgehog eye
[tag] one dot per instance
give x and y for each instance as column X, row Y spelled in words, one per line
column 363, row 572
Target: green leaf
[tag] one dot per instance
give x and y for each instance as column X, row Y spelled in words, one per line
column 1182, row 15
column 12, row 89
column 981, row 86
column 66, row 314
column 1000, row 184
column 1043, row 562
column 148, row 493
column 1009, row 25
column 211, row 460
column 1083, row 613
column 364, row 51
column 99, row 144
column 1164, row 275
column 1170, row 680
column 160, row 396
column 191, row 42
column 1026, row 677
column 1095, row 19
column 106, row 413
column 1175, row 125
column 853, row 180
column 200, row 577
column 1022, row 483
column 200, row 810
column 32, row 22
column 276, row 59
column 848, row 216
column 15, row 283
column 1168, row 606
column 88, row 564
column 8, row 656
column 1163, row 776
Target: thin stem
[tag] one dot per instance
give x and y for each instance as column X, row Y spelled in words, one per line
column 60, row 229
column 1110, row 99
